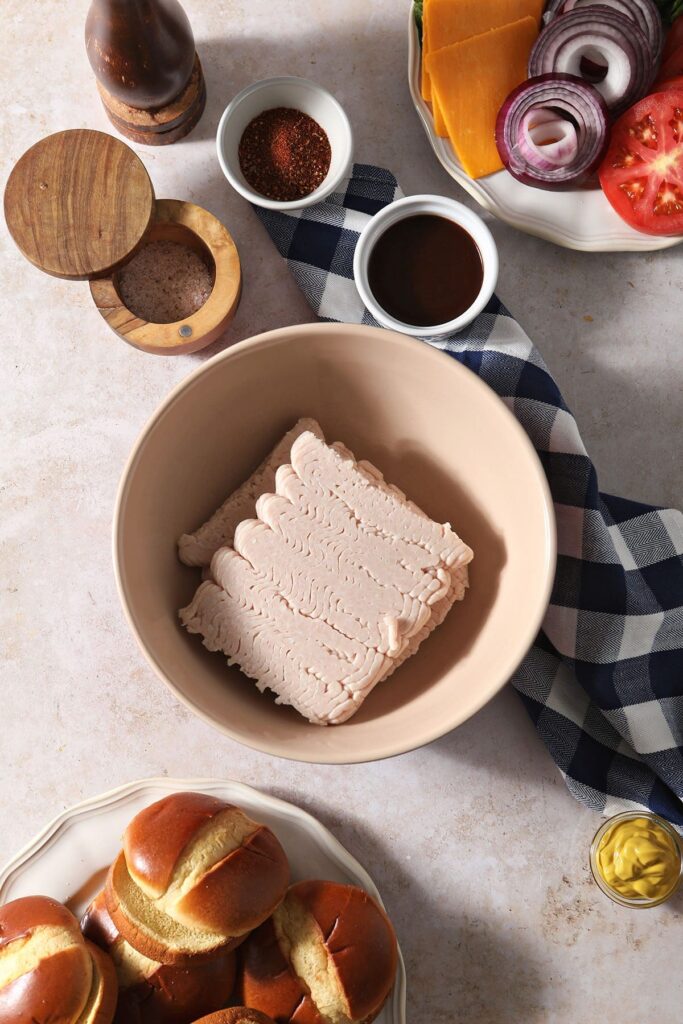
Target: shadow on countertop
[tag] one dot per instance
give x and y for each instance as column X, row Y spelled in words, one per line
column 458, row 968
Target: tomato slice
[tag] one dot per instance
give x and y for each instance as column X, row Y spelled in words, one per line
column 642, row 173
column 672, row 65
column 674, row 37
column 672, row 83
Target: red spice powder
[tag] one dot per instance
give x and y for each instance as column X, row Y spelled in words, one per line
column 284, row 154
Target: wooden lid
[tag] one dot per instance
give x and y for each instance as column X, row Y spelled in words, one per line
column 78, row 204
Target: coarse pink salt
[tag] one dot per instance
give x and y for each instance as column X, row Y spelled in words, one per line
column 165, row 282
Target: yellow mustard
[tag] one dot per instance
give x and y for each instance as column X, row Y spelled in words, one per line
column 638, row 859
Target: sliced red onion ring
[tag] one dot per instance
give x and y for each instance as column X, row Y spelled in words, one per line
column 603, row 36
column 552, row 132
column 546, row 140
column 643, row 13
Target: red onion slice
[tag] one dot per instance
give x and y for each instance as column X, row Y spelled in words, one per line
column 547, row 140
column 603, row 36
column 552, row 132
column 643, row 13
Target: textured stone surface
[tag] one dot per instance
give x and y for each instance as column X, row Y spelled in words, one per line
column 478, row 849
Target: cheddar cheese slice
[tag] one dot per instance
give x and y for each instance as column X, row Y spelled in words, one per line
column 471, row 81
column 445, row 22
column 439, row 124
column 424, row 82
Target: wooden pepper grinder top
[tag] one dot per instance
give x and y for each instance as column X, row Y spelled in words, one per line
column 148, row 73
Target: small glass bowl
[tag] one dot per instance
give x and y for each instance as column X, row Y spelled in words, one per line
column 625, row 901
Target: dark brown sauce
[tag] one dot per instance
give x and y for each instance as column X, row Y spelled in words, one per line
column 425, row 270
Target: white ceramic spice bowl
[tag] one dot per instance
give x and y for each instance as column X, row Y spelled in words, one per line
column 303, row 95
column 440, row 206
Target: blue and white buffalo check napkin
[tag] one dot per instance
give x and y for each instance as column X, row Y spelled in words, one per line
column 603, row 682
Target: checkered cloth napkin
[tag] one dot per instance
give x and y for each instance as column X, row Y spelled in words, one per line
column 603, row 682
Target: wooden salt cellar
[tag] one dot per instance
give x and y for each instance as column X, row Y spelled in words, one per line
column 64, row 220
column 148, row 73
column 198, row 229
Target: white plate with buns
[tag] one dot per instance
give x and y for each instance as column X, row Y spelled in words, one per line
column 69, row 859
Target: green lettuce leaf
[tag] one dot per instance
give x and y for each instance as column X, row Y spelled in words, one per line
column 417, row 14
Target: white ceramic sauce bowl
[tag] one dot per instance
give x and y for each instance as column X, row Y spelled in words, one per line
column 301, row 94
column 440, row 206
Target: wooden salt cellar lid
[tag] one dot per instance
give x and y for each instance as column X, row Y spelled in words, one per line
column 78, row 204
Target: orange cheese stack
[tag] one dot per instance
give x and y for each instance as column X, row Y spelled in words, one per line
column 474, row 53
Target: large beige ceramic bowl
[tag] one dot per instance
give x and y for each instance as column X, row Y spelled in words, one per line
column 434, row 429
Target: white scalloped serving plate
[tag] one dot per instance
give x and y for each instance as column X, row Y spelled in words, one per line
column 68, row 859
column 575, row 220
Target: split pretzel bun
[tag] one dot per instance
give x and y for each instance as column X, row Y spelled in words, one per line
column 236, row 1015
column 195, row 876
column 328, row 955
column 154, row 993
column 48, row 972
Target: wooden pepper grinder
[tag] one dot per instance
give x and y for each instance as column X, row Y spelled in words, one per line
column 148, row 72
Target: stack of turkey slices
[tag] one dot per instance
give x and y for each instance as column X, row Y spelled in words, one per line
column 323, row 578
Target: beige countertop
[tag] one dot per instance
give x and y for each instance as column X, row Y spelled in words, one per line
column 478, row 849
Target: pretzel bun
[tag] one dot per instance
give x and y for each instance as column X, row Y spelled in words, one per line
column 48, row 972
column 195, row 876
column 101, row 1005
column 328, row 955
column 236, row 1015
column 154, row 993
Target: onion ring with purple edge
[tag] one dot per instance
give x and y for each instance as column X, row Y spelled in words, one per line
column 601, row 35
column 552, row 132
column 643, row 13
